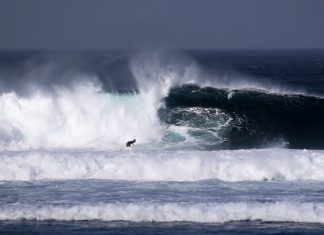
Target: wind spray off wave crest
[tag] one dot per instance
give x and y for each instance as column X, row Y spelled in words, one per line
column 82, row 114
column 82, row 117
column 173, row 104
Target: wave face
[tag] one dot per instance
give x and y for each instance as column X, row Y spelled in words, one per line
column 144, row 165
column 171, row 212
column 212, row 146
column 96, row 101
column 223, row 118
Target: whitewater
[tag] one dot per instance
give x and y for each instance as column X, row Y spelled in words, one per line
column 152, row 165
column 211, row 149
column 171, row 212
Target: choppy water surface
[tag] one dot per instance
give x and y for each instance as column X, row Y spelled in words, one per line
column 227, row 143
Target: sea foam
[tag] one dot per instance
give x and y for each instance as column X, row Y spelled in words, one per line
column 170, row 212
column 163, row 165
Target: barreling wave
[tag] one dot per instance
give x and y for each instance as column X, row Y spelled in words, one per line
column 222, row 118
column 161, row 108
column 281, row 211
column 145, row 165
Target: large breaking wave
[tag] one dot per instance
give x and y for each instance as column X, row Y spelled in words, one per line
column 246, row 118
column 168, row 103
column 84, row 117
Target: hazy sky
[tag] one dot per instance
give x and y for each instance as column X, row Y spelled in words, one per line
column 163, row 24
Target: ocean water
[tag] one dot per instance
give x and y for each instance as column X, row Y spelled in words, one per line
column 227, row 142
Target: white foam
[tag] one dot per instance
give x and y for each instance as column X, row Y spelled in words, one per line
column 170, row 212
column 144, row 165
column 84, row 116
column 79, row 118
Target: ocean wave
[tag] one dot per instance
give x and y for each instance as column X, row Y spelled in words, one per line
column 233, row 119
column 281, row 211
column 84, row 117
column 164, row 165
column 164, row 101
column 188, row 117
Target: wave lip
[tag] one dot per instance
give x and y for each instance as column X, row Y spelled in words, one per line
column 246, row 118
column 140, row 165
column 171, row 212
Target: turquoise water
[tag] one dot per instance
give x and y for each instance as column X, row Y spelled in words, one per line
column 225, row 142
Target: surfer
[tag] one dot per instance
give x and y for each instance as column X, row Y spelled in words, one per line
column 129, row 143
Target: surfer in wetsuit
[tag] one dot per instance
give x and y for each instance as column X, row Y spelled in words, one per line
column 129, row 143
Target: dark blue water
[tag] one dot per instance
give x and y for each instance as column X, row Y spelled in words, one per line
column 16, row 196
column 124, row 228
column 239, row 99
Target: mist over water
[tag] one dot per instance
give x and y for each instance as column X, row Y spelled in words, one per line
column 224, row 141
column 221, row 138
column 162, row 99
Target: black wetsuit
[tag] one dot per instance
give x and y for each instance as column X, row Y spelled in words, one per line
column 129, row 143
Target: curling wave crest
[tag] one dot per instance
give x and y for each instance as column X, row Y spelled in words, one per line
column 171, row 104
